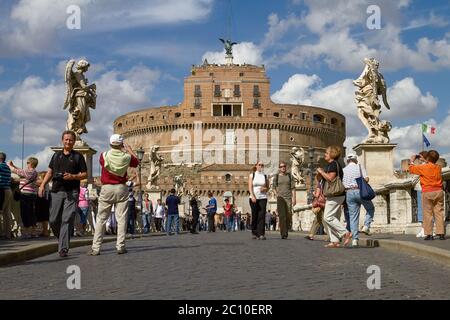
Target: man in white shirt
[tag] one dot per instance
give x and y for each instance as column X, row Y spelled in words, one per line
column 353, row 198
column 159, row 215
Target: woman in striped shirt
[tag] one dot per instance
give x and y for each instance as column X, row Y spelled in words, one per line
column 28, row 196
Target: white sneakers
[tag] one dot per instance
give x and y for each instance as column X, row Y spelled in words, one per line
column 421, row 234
column 366, row 230
column 355, row 243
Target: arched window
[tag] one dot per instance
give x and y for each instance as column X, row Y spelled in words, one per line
column 177, row 115
column 276, row 114
column 318, row 118
column 228, row 177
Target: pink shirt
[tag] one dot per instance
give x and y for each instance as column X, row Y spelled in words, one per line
column 83, row 199
column 26, row 176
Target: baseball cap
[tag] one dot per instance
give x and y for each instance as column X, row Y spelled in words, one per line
column 116, row 140
column 352, row 157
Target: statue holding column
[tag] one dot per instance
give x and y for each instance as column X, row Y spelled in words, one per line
column 370, row 85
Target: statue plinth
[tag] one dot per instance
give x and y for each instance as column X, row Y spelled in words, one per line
column 154, row 195
column 228, row 60
column 378, row 159
column 87, row 153
column 301, row 195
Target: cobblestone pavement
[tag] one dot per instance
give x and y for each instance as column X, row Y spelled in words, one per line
column 227, row 266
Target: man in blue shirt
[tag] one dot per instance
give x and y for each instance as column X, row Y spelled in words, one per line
column 211, row 209
column 172, row 203
column 6, row 197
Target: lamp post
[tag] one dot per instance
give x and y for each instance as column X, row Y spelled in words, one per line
column 311, row 174
column 140, row 155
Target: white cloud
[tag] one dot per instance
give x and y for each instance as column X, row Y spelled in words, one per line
column 278, row 28
column 244, row 52
column 432, row 20
column 341, row 40
column 41, row 106
column 33, row 26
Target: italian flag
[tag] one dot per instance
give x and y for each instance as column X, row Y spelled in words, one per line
column 428, row 129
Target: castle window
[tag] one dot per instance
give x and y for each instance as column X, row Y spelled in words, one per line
column 260, row 115
column 152, row 118
column 227, row 110
column 217, row 110
column 291, row 139
column 290, row 115
column 217, row 92
column 197, row 91
column 228, row 177
column 193, row 114
column 302, row 116
column 177, row 115
column 142, row 119
column 256, row 92
column 237, row 90
column 256, row 103
column 334, row 121
column 343, row 124
column 318, row 118
column 211, row 74
column 241, row 74
column 276, row 114
column 197, row 103
column 237, row 110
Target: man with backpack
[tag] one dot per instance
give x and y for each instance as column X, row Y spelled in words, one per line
column 285, row 190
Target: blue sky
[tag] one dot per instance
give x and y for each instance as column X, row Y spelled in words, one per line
column 140, row 52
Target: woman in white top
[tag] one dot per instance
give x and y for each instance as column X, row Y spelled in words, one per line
column 258, row 184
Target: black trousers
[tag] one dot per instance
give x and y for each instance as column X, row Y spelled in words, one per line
column 27, row 209
column 258, row 216
column 211, row 226
column 195, row 215
column 158, row 224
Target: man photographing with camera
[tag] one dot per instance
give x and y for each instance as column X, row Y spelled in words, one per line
column 67, row 167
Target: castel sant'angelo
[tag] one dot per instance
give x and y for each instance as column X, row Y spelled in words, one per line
column 226, row 122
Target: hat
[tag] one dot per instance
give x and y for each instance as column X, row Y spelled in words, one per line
column 352, row 157
column 116, row 140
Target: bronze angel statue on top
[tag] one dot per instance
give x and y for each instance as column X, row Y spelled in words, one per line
column 228, row 46
column 79, row 97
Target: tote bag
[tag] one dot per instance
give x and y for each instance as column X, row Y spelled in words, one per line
column 365, row 190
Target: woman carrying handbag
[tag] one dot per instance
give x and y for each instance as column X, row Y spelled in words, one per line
column 334, row 192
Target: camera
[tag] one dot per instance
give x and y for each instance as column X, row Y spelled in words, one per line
column 58, row 176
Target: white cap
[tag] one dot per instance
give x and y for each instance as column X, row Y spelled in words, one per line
column 352, row 157
column 116, row 140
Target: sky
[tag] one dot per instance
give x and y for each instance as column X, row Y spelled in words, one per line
column 141, row 50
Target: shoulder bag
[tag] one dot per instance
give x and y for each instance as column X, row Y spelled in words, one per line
column 334, row 187
column 365, row 190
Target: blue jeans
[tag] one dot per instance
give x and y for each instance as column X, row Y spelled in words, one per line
column 146, row 222
column 83, row 215
column 354, row 203
column 170, row 219
column 229, row 222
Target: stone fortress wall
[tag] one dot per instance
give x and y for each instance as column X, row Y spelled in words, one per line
column 227, row 98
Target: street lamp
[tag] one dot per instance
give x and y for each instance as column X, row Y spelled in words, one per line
column 311, row 174
column 140, row 155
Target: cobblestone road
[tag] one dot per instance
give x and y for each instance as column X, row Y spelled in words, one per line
column 227, row 266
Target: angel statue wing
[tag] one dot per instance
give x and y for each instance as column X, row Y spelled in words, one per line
column 233, row 43
column 382, row 90
column 68, row 80
column 223, row 41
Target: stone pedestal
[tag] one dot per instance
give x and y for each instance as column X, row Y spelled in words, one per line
column 87, row 153
column 154, row 195
column 301, row 197
column 378, row 159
